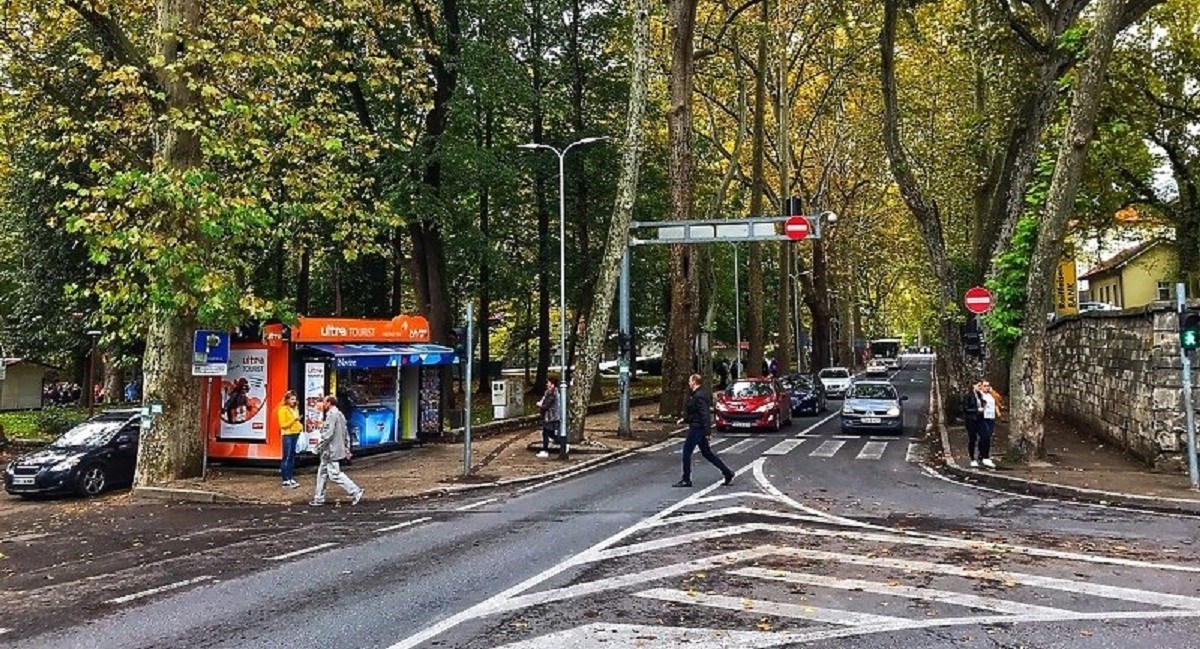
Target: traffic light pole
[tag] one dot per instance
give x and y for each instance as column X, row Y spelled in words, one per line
column 1189, row 412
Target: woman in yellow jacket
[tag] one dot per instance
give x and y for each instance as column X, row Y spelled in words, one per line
column 290, row 426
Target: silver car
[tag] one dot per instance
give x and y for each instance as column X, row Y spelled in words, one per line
column 873, row 406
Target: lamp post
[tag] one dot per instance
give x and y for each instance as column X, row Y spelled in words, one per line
column 91, row 388
column 796, row 311
column 562, row 281
column 737, row 315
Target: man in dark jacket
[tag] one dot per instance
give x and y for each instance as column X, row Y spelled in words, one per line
column 699, row 420
column 972, row 411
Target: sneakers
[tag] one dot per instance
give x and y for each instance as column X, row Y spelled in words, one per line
column 989, row 463
column 316, row 503
column 543, row 454
column 357, row 497
column 290, row 484
column 728, row 479
column 974, row 464
column 683, row 483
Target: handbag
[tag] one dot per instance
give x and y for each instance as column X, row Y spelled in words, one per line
column 302, row 442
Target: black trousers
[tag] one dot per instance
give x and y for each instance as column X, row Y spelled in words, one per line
column 549, row 432
column 698, row 437
column 979, row 437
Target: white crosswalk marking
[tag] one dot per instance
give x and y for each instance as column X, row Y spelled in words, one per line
column 828, row 449
column 712, row 443
column 741, row 446
column 784, row 447
column 872, row 451
column 916, row 450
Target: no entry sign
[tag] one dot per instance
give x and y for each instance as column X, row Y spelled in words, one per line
column 796, row 228
column 978, row 300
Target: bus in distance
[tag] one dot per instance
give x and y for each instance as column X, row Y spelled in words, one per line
column 888, row 351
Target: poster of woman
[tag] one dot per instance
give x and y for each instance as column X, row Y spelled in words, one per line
column 243, row 396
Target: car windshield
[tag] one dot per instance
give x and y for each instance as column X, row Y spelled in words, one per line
column 797, row 382
column 835, row 374
column 743, row 389
column 92, row 434
column 874, row 391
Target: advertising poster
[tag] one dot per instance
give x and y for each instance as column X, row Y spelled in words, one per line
column 244, row 396
column 314, row 388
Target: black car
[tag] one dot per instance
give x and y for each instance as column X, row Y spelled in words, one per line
column 91, row 457
column 808, row 395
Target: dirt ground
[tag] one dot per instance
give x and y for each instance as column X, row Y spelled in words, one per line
column 1076, row 459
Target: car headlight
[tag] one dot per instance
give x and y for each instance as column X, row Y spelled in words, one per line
column 894, row 411
column 66, row 465
column 846, row 410
column 11, row 467
column 765, row 407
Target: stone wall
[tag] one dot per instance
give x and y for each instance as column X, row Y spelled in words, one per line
column 1116, row 375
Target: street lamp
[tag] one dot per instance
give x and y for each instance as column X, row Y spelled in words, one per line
column 91, row 388
column 562, row 281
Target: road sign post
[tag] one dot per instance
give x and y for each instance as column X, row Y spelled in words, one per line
column 797, row 228
column 210, row 353
column 1189, row 413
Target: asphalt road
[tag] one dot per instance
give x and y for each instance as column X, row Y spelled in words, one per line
column 822, row 541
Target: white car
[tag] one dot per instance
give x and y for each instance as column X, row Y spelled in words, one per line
column 835, row 380
column 876, row 367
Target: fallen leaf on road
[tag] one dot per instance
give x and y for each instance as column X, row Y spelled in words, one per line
column 1085, row 633
column 764, row 625
column 893, row 583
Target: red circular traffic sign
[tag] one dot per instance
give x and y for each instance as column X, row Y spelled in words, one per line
column 796, row 228
column 978, row 300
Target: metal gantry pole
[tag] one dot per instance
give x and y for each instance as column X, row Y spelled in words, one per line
column 562, row 305
column 625, row 348
column 1189, row 412
column 737, row 313
column 467, row 388
column 796, row 317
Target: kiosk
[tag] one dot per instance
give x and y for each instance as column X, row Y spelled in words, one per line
column 385, row 373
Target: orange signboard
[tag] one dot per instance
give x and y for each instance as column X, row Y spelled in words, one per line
column 401, row 329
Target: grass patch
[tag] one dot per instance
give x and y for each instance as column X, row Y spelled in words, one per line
column 40, row 425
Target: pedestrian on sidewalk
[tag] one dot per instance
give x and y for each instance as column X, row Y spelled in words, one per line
column 332, row 449
column 972, row 411
column 699, row 421
column 989, row 410
column 288, row 414
column 548, row 406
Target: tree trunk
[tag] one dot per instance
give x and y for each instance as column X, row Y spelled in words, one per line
column 1029, row 378
column 546, row 264
column 485, row 296
column 754, row 358
column 172, row 446
column 679, row 357
column 304, row 282
column 618, row 230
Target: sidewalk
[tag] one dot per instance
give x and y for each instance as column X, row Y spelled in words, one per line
column 1077, row 466
column 431, row 468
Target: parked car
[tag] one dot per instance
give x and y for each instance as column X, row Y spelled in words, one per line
column 835, row 380
column 1097, row 306
column 88, row 459
column 873, row 405
column 753, row 403
column 808, row 395
column 876, row 367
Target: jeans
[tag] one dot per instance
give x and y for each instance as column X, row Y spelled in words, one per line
column 330, row 470
column 972, row 425
column 549, row 432
column 986, row 428
column 698, row 437
column 287, row 466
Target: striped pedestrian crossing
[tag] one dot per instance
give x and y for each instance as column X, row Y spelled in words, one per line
column 784, row 447
column 742, row 446
column 828, row 448
column 872, row 451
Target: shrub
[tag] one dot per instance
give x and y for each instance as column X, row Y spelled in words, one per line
column 54, row 421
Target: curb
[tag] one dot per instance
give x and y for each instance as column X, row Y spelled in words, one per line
column 202, row 496
column 1049, row 489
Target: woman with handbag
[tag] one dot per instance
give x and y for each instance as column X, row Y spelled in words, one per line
column 290, row 428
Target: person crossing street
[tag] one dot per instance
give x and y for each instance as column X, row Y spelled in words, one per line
column 332, row 450
column 699, row 420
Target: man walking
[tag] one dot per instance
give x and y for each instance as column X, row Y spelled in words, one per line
column 332, row 449
column 548, row 406
column 699, row 420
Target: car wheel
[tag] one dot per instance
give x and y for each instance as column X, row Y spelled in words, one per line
column 92, row 481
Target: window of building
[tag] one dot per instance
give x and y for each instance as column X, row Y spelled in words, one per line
column 1164, row 291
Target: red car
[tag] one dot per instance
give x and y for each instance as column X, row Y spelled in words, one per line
column 753, row 403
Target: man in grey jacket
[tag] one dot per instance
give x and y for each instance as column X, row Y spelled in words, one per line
column 332, row 449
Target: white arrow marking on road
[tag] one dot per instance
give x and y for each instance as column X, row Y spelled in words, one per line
column 872, row 451
column 828, row 449
column 160, row 589
column 610, row 636
column 908, row 592
column 784, row 447
column 778, row 609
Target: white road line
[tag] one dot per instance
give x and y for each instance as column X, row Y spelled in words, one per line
column 872, row 451
column 160, row 589
column 22, row 538
column 828, row 449
column 711, row 444
column 916, row 451
column 605, row 635
column 663, row 444
column 742, row 446
column 817, row 425
column 400, row 526
column 732, row 496
column 3, row 631
column 909, row 592
column 475, row 505
column 1090, row 589
column 760, row 607
column 845, row 437
column 670, row 542
column 733, row 511
column 784, row 447
column 314, row 548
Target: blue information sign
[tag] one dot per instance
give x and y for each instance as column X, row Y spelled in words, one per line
column 210, row 353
